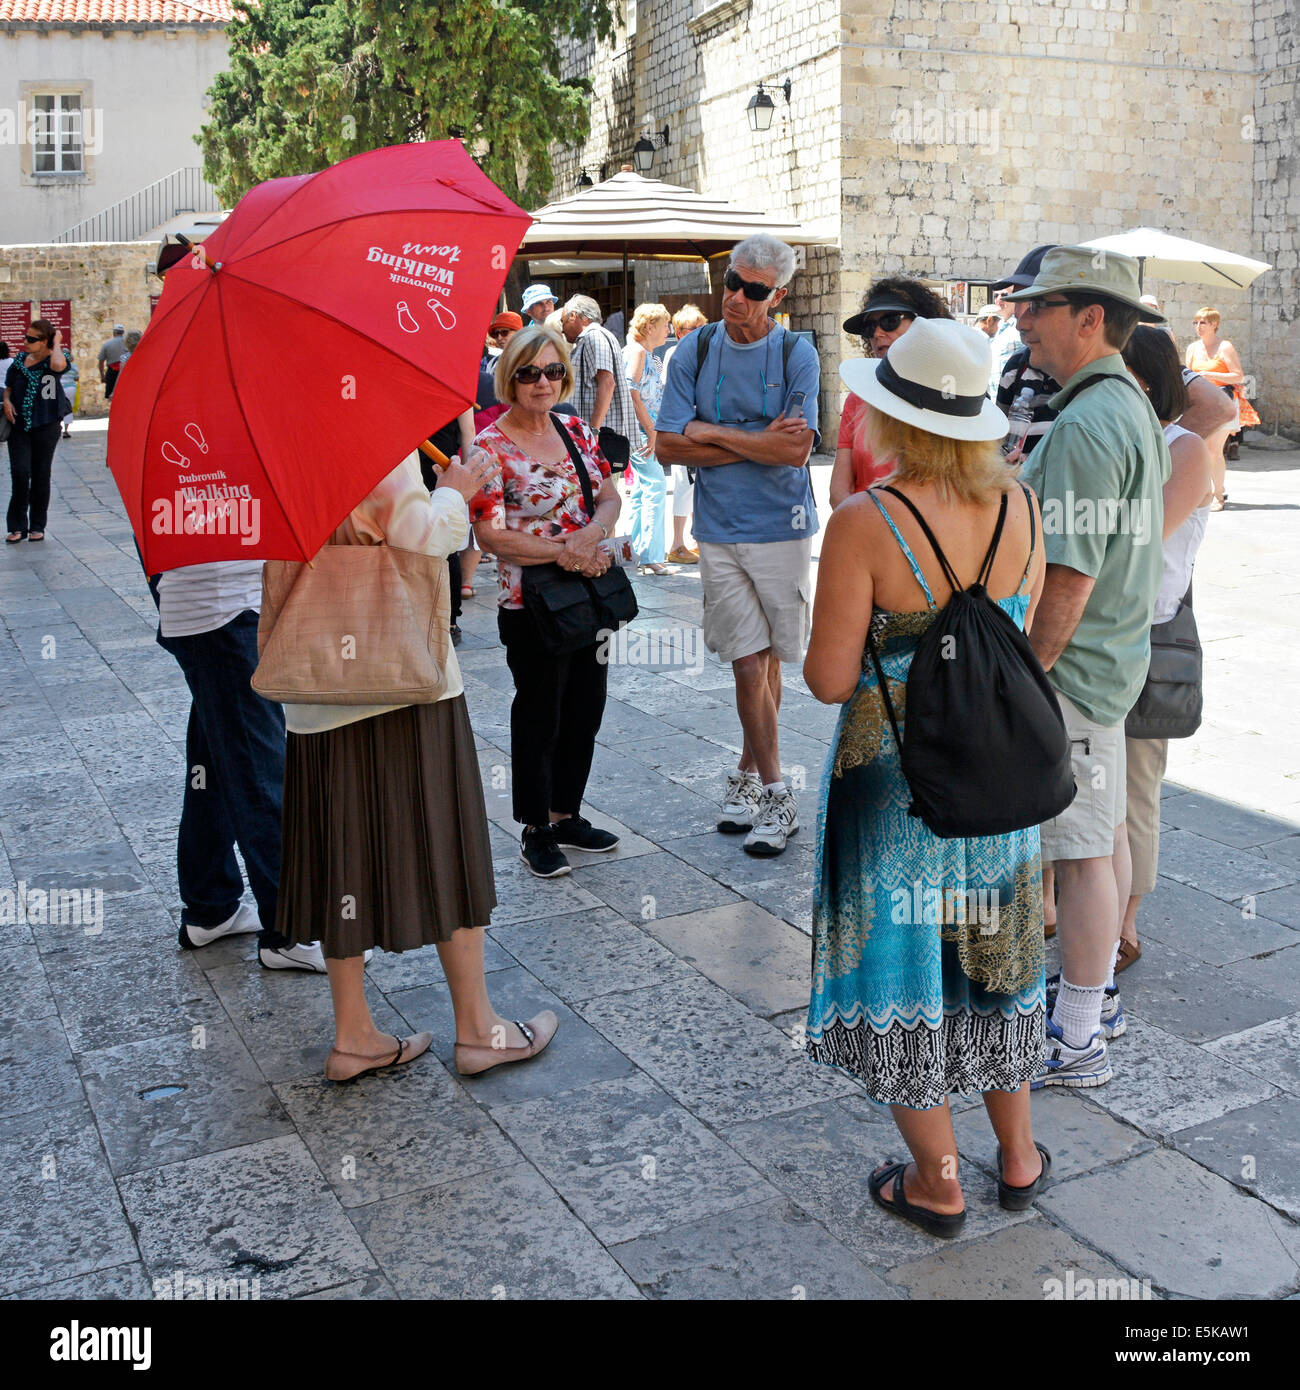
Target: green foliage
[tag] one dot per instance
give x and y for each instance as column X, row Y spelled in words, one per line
column 313, row 81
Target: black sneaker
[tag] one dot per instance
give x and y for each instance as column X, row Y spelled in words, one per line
column 540, row 852
column 578, row 833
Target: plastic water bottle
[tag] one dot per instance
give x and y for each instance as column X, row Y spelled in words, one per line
column 1020, row 416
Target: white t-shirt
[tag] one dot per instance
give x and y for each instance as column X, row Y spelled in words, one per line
column 202, row 598
column 1180, row 551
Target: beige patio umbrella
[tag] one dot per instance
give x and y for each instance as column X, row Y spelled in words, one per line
column 1166, row 257
column 645, row 219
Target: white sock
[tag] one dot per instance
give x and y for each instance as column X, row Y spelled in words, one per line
column 1078, row 1012
column 777, row 788
column 1114, row 957
column 746, row 773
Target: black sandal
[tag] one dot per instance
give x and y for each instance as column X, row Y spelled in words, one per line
column 942, row 1224
column 1021, row 1198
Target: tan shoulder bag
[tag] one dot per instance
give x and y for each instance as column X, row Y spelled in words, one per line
column 360, row 625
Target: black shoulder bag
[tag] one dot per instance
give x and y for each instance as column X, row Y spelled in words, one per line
column 572, row 611
column 1170, row 702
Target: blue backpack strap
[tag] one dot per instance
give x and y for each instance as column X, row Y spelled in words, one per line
column 1033, row 536
column 911, row 559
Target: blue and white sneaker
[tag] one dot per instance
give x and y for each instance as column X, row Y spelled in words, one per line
column 1072, row 1066
column 1112, row 1011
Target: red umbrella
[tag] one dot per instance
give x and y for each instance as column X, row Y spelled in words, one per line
column 331, row 323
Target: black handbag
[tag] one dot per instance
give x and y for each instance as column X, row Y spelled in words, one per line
column 1170, row 703
column 570, row 610
column 616, row 447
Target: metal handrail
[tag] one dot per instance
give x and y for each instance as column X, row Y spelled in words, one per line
column 134, row 218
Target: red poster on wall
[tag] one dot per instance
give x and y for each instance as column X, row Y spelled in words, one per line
column 59, row 313
column 15, row 315
column 153, row 303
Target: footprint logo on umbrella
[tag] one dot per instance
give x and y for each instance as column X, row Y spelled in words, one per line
column 173, row 455
column 442, row 316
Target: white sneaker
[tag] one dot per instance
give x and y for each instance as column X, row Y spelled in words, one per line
column 244, row 921
column 740, row 805
column 776, row 820
column 307, row 957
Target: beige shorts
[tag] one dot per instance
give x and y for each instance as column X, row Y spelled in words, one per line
column 757, row 595
column 1146, row 769
column 1086, row 828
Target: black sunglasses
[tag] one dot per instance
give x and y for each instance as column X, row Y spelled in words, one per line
column 754, row 289
column 32, row 338
column 500, row 332
column 888, row 322
column 553, row 371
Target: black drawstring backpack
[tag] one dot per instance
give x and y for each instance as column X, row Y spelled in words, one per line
column 987, row 751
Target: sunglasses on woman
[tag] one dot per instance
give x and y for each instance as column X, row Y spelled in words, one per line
column 888, row 322
column 499, row 332
column 754, row 289
column 553, row 371
column 32, row 338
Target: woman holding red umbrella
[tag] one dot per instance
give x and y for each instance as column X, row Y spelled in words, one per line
column 385, row 837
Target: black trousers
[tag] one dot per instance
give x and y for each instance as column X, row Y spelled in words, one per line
column 559, row 703
column 31, row 456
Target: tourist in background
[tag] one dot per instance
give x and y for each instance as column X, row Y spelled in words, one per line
column 648, row 496
column 1215, row 358
column 892, row 1002
column 888, row 310
column 34, row 405
column 685, row 321
column 1153, row 359
column 110, row 359
column 70, row 381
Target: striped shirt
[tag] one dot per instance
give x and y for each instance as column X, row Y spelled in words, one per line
column 597, row 350
column 202, row 598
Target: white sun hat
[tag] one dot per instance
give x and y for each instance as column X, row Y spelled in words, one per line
column 934, row 377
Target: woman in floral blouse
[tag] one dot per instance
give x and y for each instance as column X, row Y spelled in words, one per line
column 534, row 514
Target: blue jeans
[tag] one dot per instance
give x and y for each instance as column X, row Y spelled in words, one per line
column 647, row 509
column 234, row 751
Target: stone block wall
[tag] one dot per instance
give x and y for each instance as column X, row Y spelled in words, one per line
column 947, row 139
column 694, row 71
column 976, row 130
column 1275, row 297
column 107, row 282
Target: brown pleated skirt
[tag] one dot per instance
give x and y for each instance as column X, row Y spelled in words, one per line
column 385, row 836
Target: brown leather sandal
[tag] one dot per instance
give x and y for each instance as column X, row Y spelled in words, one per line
column 1128, row 953
column 408, row 1049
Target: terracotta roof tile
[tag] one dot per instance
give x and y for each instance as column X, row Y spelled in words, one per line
column 115, row 11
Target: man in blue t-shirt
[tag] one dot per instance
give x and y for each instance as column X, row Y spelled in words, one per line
column 740, row 407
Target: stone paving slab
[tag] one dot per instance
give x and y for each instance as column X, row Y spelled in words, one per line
column 60, row 1213
column 222, row 1102
column 501, row 1234
column 710, row 1052
column 578, row 1056
column 628, row 1160
column 769, row 1251
column 583, row 954
column 1256, row 1148
column 1238, row 1248
column 756, row 957
column 261, row 1210
column 1017, row 1262
column 365, row 1144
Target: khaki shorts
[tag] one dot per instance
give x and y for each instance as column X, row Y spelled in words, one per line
column 1086, row 828
column 757, row 595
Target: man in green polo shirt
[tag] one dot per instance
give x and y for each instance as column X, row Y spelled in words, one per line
column 1098, row 472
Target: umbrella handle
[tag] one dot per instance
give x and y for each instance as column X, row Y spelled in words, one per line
column 432, row 452
column 196, row 250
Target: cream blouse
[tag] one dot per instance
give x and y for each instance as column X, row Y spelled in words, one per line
column 402, row 512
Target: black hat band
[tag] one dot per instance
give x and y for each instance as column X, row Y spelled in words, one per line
column 925, row 398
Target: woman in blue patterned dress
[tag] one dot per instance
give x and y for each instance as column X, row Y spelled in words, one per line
column 927, row 952
column 647, row 502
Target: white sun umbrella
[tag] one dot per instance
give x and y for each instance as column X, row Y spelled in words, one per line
column 1166, row 257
